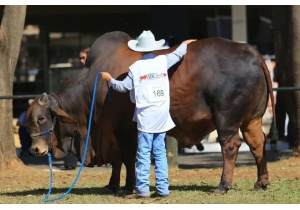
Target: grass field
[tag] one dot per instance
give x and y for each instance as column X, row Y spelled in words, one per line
column 26, row 185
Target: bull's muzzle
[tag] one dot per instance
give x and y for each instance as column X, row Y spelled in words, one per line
column 38, row 151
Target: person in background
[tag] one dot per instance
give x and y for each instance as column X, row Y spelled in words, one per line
column 281, row 116
column 24, row 134
column 148, row 83
column 83, row 55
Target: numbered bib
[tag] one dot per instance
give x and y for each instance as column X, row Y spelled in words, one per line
column 156, row 93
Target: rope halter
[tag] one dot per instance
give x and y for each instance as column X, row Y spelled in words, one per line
column 48, row 132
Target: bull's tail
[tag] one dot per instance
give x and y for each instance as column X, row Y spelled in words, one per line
column 274, row 132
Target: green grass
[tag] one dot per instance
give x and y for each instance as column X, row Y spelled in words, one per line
column 194, row 186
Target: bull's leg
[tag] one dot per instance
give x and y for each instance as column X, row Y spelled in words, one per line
column 227, row 123
column 129, row 159
column 114, row 182
column 130, row 174
column 256, row 140
column 128, row 143
column 230, row 144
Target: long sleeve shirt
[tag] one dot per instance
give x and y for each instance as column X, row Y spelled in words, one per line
column 127, row 83
column 148, row 84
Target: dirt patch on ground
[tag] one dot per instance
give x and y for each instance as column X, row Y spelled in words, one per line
column 287, row 168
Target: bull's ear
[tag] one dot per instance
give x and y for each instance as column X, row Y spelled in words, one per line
column 63, row 117
column 43, row 100
column 59, row 113
column 30, row 101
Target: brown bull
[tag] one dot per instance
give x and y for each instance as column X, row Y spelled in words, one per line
column 219, row 84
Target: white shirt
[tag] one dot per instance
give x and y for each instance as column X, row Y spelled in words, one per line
column 148, row 83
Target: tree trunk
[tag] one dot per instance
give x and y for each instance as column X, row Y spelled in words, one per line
column 11, row 29
column 295, row 17
column 287, row 49
column 282, row 27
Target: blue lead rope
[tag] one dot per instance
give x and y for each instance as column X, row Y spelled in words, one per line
column 45, row 199
column 51, row 178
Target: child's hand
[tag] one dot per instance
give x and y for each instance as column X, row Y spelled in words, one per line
column 106, row 76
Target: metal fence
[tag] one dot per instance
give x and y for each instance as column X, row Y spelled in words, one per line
column 19, row 97
column 34, row 96
column 286, row 88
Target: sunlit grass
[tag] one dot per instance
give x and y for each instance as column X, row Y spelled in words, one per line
column 195, row 186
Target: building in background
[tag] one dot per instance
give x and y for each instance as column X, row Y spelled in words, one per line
column 55, row 34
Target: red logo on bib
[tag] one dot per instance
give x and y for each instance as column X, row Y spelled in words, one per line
column 143, row 77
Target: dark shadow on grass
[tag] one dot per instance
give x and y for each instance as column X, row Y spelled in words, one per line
column 60, row 191
column 203, row 187
column 35, row 161
column 56, row 192
column 215, row 160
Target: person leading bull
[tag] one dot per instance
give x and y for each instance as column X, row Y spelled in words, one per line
column 148, row 83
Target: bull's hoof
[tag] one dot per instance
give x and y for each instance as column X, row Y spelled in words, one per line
column 127, row 190
column 219, row 191
column 261, row 185
column 107, row 191
column 111, row 189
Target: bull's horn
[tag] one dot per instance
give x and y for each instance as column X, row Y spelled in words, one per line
column 30, row 101
column 43, row 100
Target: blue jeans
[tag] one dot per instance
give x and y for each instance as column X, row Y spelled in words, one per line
column 145, row 143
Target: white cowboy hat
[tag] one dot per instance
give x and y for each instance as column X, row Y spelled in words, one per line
column 146, row 42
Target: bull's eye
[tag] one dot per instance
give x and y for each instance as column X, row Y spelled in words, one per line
column 40, row 120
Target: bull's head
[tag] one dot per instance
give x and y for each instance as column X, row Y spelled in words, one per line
column 43, row 116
